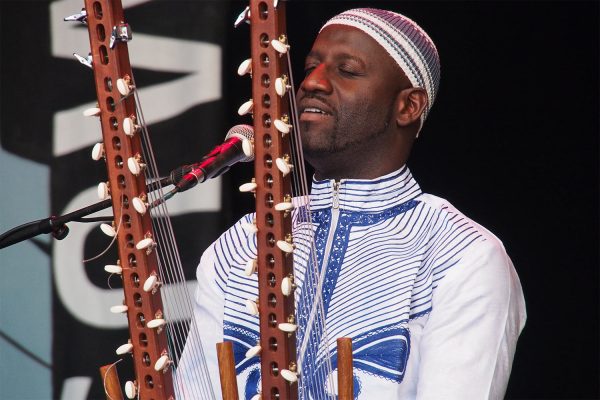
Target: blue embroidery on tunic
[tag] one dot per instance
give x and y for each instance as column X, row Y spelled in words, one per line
column 393, row 345
column 242, row 339
column 382, row 353
column 252, row 384
column 388, row 347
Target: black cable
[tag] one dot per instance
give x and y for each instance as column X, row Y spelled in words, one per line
column 23, row 350
column 95, row 219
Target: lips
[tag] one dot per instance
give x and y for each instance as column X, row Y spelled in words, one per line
column 313, row 109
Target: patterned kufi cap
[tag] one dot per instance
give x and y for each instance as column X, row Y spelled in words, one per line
column 404, row 40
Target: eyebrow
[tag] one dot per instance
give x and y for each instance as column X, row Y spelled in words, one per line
column 342, row 56
column 312, row 54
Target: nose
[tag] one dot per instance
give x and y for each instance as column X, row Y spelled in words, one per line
column 317, row 80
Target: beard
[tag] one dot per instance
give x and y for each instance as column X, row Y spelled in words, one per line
column 351, row 130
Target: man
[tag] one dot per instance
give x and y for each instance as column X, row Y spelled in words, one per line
column 430, row 298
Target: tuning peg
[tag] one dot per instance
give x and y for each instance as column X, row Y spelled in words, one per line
column 114, row 269
column 125, row 86
column 124, row 348
column 251, row 266
column 243, row 17
column 162, row 364
column 108, row 230
column 286, row 245
column 79, row 17
column 253, row 351
column 248, row 187
column 140, row 204
column 146, row 244
column 246, row 107
column 290, row 326
column 152, row 283
column 282, row 125
column 280, row 44
column 92, row 112
column 87, row 61
column 281, row 85
column 98, row 151
column 119, row 309
column 252, row 307
column 283, row 164
column 250, row 227
column 287, row 285
column 103, row 190
column 121, row 33
column 286, row 205
column 248, row 147
column 130, row 390
column 245, row 67
column 156, row 323
column 290, row 374
column 129, row 126
column 135, row 164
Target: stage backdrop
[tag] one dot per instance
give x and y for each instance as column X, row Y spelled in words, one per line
column 58, row 304
column 512, row 141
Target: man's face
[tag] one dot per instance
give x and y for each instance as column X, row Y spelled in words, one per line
column 347, row 97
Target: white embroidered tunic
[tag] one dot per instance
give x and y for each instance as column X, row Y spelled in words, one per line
column 430, row 299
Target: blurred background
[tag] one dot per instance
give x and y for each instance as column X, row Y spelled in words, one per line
column 512, row 142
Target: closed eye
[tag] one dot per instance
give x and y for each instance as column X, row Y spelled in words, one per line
column 349, row 72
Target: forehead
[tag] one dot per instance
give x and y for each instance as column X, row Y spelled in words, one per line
column 335, row 40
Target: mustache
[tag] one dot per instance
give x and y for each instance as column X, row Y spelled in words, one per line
column 315, row 96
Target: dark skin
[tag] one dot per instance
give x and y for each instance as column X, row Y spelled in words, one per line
column 359, row 113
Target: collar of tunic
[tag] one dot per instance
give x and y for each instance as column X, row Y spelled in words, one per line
column 366, row 194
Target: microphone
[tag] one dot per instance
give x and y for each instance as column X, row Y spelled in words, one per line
column 237, row 147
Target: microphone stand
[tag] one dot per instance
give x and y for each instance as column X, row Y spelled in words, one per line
column 56, row 225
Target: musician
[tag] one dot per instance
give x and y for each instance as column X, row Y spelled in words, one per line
column 429, row 297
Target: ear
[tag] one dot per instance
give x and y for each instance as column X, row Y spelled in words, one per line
column 410, row 104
